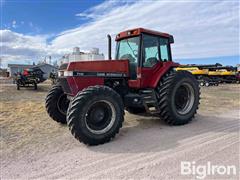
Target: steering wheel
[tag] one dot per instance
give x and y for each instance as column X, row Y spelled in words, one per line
column 135, row 53
column 129, row 57
column 153, row 61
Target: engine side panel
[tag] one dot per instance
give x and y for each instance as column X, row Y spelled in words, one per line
column 91, row 73
column 108, row 66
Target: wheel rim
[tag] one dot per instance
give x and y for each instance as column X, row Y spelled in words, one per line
column 100, row 117
column 62, row 104
column 184, row 98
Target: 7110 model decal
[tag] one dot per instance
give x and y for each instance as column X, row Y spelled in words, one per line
column 99, row 74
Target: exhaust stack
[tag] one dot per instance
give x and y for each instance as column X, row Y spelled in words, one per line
column 109, row 47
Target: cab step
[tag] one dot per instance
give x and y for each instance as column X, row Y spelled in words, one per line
column 149, row 101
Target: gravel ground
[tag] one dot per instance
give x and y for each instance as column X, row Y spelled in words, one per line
column 35, row 147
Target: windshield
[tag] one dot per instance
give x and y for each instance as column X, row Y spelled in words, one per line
column 128, row 49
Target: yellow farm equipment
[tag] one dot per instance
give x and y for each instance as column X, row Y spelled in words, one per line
column 212, row 74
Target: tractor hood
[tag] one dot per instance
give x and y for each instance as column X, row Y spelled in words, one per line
column 100, row 68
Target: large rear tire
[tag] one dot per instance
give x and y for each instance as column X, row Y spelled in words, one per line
column 178, row 97
column 95, row 115
column 57, row 104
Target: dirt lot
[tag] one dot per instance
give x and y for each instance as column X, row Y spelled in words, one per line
column 33, row 146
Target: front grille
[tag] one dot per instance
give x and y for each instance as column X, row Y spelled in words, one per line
column 65, row 86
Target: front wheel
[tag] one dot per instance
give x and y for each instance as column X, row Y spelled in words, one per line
column 57, row 104
column 178, row 97
column 95, row 115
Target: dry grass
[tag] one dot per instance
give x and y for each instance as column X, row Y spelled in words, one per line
column 24, row 124
column 26, row 128
column 219, row 99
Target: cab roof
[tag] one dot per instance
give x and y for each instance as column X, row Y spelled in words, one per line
column 138, row 31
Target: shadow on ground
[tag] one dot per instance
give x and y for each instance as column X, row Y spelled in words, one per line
column 152, row 134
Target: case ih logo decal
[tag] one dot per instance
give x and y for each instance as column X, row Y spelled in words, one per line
column 99, row 74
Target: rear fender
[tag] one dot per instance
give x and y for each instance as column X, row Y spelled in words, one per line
column 161, row 72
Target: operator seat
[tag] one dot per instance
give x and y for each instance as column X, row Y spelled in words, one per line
column 151, row 62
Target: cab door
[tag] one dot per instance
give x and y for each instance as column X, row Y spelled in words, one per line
column 155, row 53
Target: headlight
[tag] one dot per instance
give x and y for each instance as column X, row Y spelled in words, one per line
column 68, row 73
column 60, row 73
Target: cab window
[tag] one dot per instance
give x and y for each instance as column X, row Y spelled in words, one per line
column 164, row 49
column 150, row 50
column 128, row 49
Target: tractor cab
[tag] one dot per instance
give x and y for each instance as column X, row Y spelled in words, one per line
column 144, row 48
column 147, row 51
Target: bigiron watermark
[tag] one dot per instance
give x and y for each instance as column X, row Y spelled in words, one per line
column 201, row 171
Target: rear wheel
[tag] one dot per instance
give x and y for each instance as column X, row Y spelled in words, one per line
column 35, row 85
column 95, row 115
column 178, row 97
column 18, row 86
column 57, row 104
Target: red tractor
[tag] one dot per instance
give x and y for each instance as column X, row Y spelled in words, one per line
column 91, row 96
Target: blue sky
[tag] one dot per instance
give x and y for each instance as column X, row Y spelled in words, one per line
column 204, row 31
column 44, row 17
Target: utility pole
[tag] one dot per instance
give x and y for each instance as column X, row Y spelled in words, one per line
column 0, row 62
